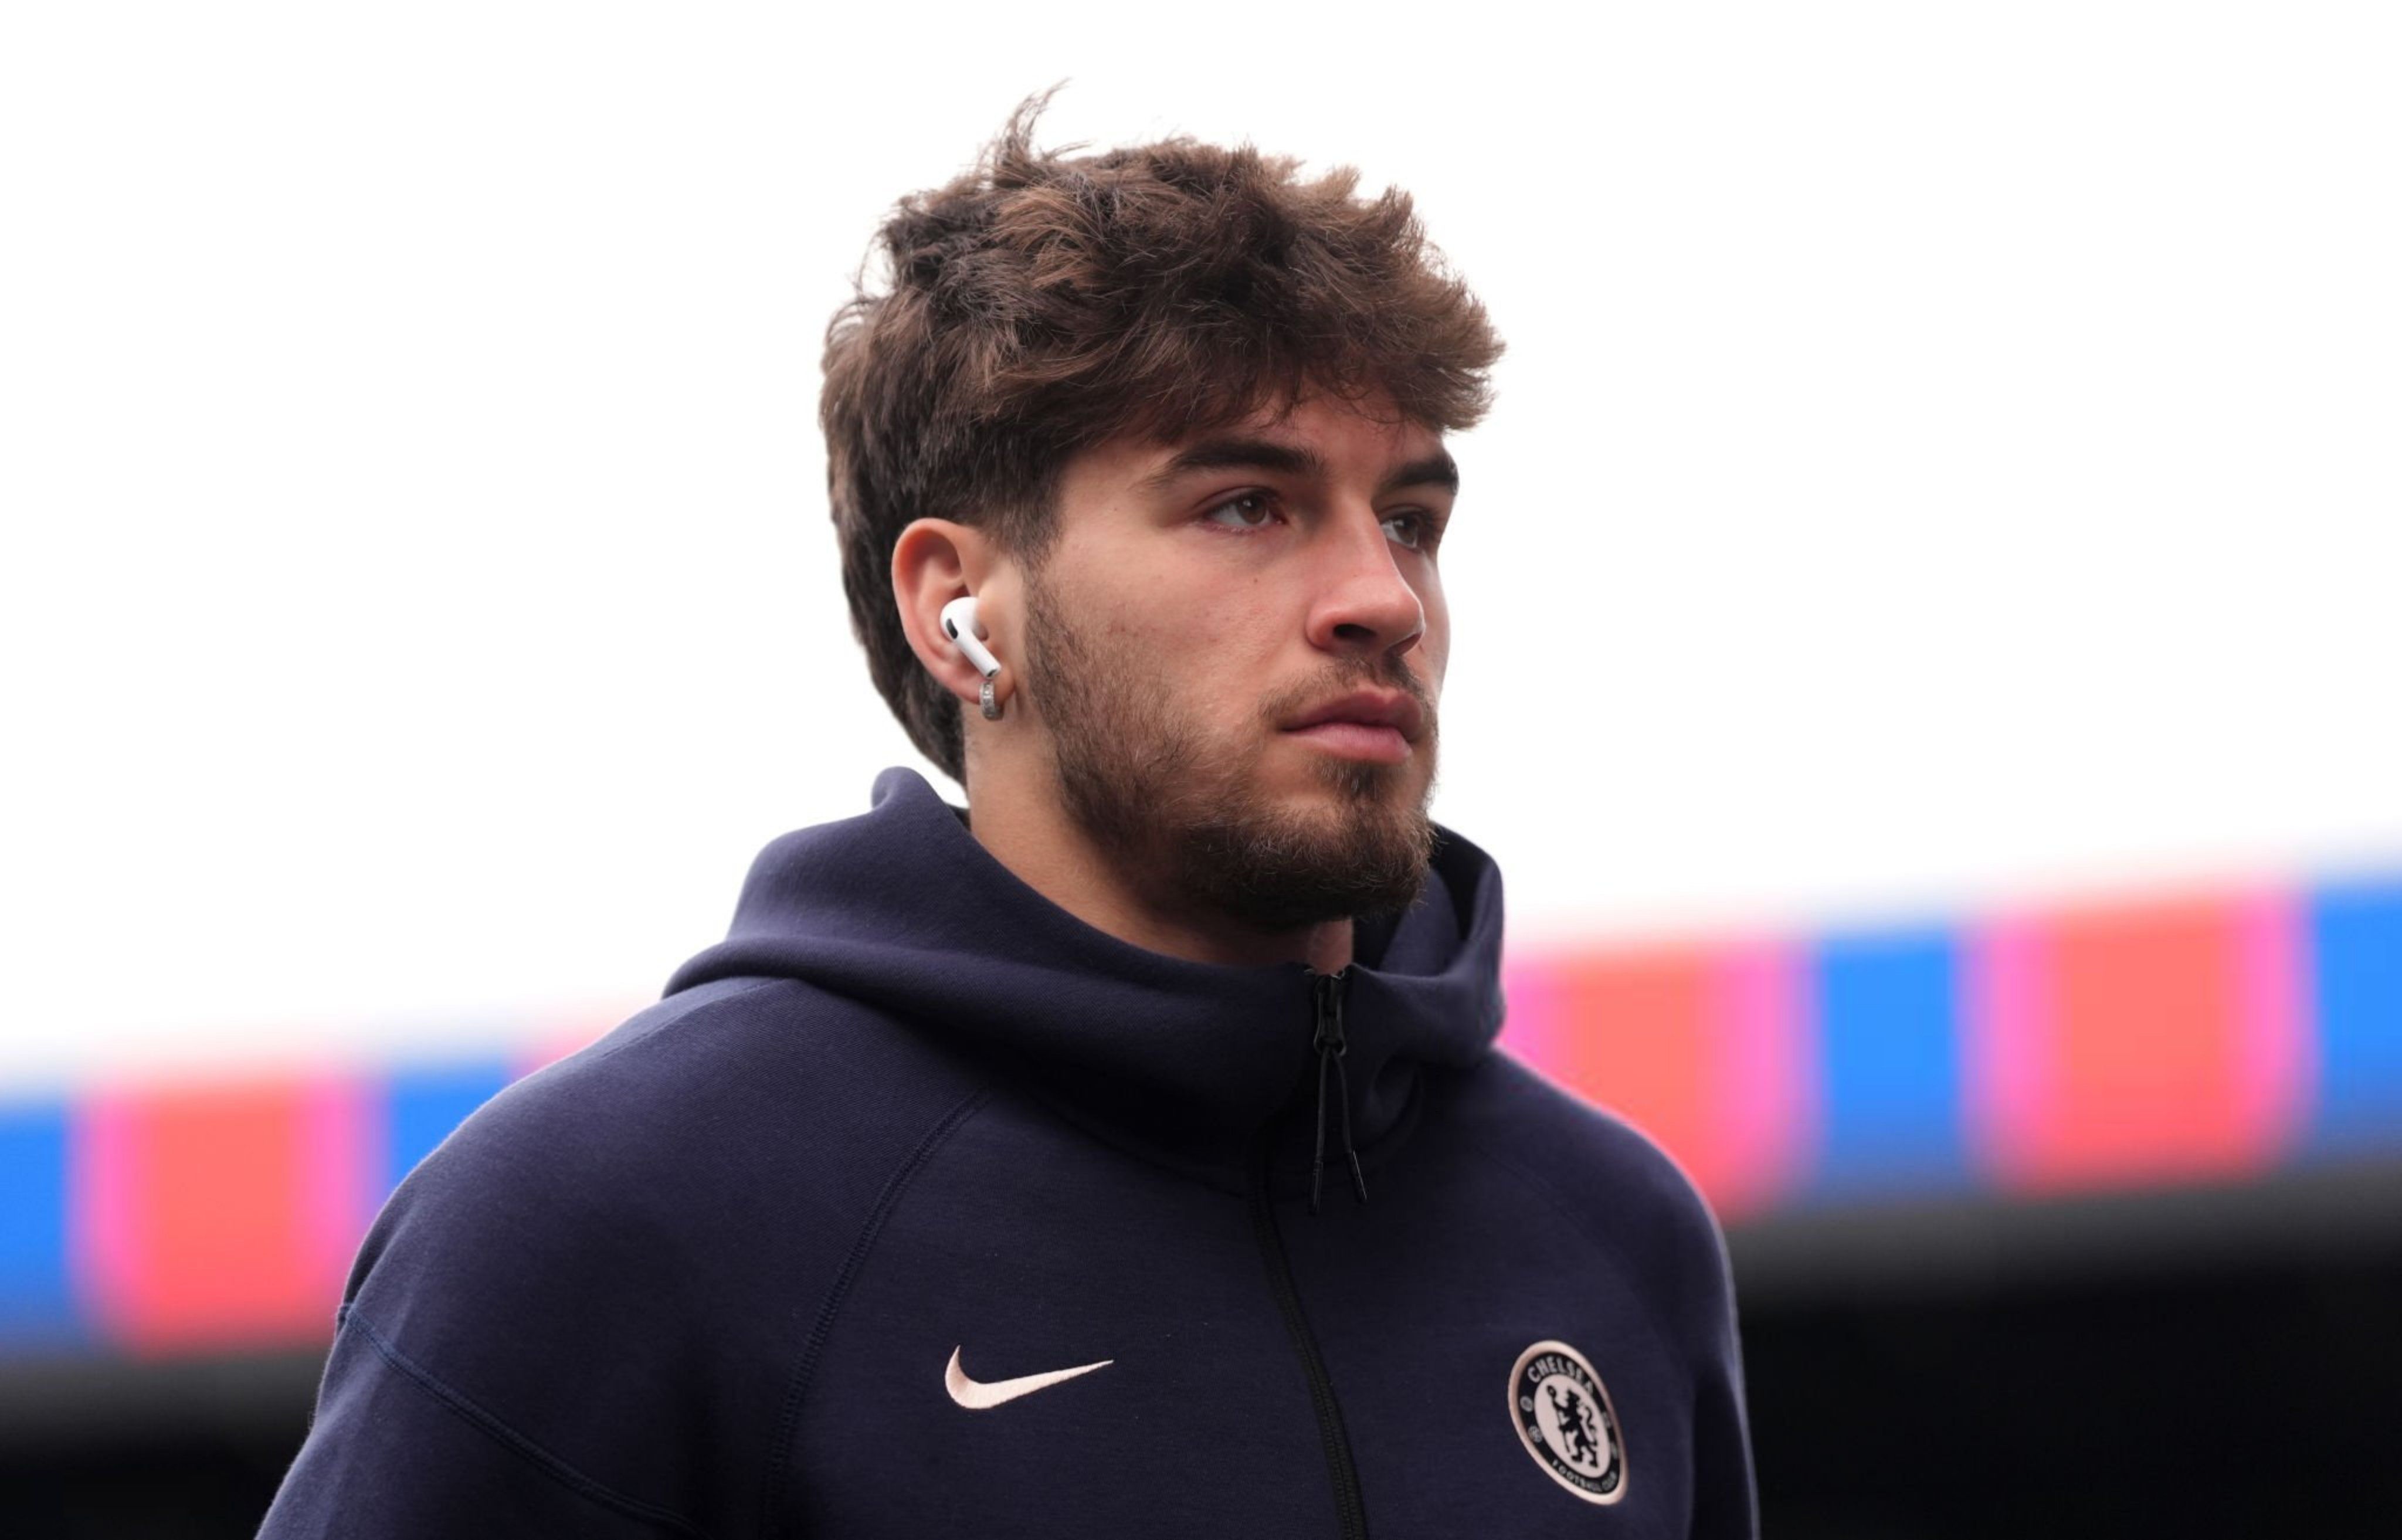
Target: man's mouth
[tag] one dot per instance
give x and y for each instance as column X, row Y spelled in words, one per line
column 1377, row 725
column 1357, row 740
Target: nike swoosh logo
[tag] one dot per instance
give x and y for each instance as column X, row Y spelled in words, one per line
column 977, row 1397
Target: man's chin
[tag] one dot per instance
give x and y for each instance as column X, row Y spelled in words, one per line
column 1308, row 864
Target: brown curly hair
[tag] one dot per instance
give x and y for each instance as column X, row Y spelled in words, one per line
column 1039, row 305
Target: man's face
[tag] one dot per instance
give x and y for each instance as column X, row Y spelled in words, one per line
column 1236, row 644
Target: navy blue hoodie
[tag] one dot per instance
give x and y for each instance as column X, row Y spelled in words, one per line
column 808, row 1248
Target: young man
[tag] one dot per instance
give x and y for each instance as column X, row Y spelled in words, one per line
column 1124, row 1153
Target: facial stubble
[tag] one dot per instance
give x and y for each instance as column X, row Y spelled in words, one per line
column 1185, row 816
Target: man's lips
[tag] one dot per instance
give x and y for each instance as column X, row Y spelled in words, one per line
column 1357, row 740
column 1387, row 709
column 1371, row 724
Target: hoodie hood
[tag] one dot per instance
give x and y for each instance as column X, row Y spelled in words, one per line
column 903, row 911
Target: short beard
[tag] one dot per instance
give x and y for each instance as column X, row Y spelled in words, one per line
column 1183, row 818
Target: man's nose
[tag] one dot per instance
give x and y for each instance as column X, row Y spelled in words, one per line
column 1364, row 602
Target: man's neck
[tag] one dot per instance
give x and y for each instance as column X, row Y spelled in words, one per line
column 1047, row 852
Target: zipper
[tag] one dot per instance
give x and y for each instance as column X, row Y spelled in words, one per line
column 1327, row 1000
column 1330, row 1436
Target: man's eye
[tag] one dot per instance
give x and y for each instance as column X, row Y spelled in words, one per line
column 1253, row 510
column 1414, row 531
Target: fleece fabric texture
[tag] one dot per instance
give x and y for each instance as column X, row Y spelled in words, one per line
column 911, row 1128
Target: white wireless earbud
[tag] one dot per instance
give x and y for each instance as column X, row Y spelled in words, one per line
column 960, row 624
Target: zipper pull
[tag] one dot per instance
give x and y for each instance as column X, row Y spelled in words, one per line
column 1326, row 990
column 1326, row 993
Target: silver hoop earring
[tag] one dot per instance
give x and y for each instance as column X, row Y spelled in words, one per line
column 991, row 706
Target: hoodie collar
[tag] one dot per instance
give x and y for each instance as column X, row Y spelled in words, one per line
column 903, row 911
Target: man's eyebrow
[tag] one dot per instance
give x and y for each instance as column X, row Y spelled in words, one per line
column 1265, row 454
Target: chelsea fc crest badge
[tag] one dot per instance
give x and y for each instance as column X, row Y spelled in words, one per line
column 1564, row 1417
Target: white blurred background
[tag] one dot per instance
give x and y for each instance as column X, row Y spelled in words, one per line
column 1945, row 455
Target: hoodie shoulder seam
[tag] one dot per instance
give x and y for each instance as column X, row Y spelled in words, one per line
column 788, row 1417
column 693, row 1011
column 466, row 1409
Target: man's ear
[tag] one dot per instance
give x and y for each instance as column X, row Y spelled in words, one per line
column 935, row 561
